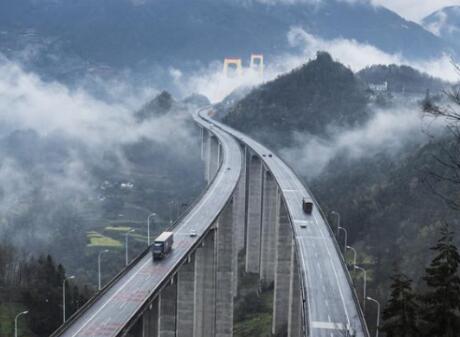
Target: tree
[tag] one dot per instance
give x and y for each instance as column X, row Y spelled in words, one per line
column 449, row 159
column 441, row 311
column 400, row 315
column 42, row 295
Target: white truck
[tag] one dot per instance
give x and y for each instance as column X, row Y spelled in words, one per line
column 162, row 245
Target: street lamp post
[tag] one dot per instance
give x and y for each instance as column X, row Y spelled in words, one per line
column 99, row 267
column 364, row 285
column 16, row 322
column 346, row 238
column 126, row 245
column 148, row 228
column 378, row 314
column 337, row 214
column 63, row 296
column 354, row 254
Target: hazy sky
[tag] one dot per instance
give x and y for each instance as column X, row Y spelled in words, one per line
column 416, row 9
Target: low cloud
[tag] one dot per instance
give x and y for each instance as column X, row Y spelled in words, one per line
column 212, row 83
column 388, row 131
column 58, row 144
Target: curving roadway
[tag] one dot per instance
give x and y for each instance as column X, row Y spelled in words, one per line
column 331, row 304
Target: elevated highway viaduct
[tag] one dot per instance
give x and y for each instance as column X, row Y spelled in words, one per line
column 252, row 206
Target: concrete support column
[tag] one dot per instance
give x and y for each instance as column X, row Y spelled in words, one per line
column 239, row 221
column 270, row 207
column 204, row 142
column 186, row 299
column 224, row 277
column 205, row 152
column 168, row 314
column 150, row 320
column 254, row 216
column 295, row 301
column 205, row 288
column 213, row 157
column 283, row 265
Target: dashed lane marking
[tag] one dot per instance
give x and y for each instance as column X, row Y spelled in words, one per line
column 328, row 325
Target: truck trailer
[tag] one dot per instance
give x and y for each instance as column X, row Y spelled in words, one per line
column 162, row 245
column 307, row 206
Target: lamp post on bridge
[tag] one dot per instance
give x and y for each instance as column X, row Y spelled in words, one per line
column 345, row 238
column 99, row 267
column 63, row 295
column 337, row 214
column 126, row 245
column 364, row 285
column 148, row 227
column 378, row 314
column 16, row 322
column 354, row 254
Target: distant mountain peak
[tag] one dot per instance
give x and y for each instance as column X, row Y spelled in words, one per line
column 445, row 23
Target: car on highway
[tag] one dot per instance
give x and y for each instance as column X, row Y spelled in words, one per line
column 162, row 245
column 307, row 206
column 193, row 233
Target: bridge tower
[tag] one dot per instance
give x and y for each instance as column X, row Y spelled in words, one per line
column 257, row 63
column 236, row 63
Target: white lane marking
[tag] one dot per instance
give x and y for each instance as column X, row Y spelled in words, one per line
column 191, row 215
column 312, row 238
column 328, row 325
column 327, row 303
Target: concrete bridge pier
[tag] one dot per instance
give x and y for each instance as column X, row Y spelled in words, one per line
column 168, row 310
column 271, row 199
column 204, row 142
column 186, row 299
column 254, row 214
column 224, row 277
column 213, row 160
column 205, row 287
column 295, row 301
column 150, row 320
column 283, row 266
column 239, row 220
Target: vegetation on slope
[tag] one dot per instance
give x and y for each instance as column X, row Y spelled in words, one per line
column 318, row 95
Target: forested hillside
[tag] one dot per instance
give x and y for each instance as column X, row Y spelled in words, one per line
column 386, row 189
column 319, row 95
column 402, row 79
